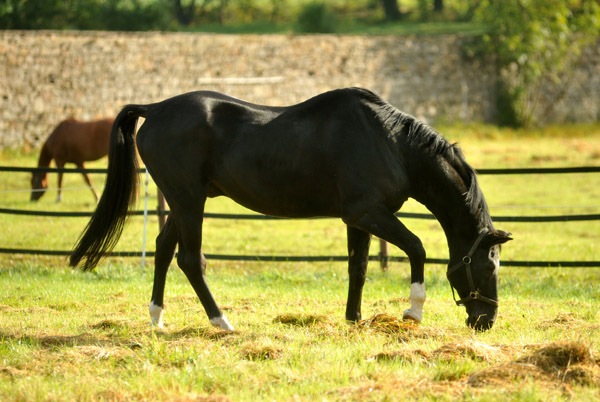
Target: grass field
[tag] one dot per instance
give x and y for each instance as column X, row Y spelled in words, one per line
column 69, row 335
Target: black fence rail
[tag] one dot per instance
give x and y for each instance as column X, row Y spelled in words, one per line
column 557, row 170
column 267, row 258
column 410, row 215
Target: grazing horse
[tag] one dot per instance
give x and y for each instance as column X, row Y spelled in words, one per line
column 345, row 153
column 72, row 141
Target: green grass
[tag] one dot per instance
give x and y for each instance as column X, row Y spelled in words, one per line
column 69, row 335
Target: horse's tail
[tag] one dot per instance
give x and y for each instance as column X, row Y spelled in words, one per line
column 120, row 192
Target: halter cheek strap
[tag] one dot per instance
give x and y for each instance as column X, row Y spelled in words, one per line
column 466, row 261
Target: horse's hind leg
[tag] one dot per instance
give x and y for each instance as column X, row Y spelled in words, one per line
column 358, row 257
column 59, row 165
column 165, row 250
column 87, row 179
column 193, row 264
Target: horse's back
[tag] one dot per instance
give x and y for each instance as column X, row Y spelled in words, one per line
column 75, row 141
column 301, row 160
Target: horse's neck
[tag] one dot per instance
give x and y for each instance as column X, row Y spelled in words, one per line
column 45, row 157
column 444, row 197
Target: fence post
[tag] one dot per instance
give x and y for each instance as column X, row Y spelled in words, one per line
column 383, row 254
column 161, row 208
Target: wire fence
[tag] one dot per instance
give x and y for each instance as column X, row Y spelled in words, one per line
column 382, row 257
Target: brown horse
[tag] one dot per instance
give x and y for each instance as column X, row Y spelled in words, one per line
column 72, row 141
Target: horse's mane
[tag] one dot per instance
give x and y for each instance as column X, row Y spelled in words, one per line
column 419, row 135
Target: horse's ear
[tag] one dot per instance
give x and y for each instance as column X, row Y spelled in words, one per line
column 495, row 237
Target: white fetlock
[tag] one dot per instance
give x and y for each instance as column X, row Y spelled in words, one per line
column 221, row 322
column 417, row 300
column 156, row 315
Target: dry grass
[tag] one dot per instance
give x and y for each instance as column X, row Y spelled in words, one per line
column 388, row 324
column 443, row 368
column 254, row 351
column 301, row 320
column 560, row 363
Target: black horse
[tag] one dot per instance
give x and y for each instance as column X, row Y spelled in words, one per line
column 345, row 153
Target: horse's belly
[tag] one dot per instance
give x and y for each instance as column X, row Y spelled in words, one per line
column 291, row 198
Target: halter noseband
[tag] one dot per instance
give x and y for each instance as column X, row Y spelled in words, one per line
column 466, row 261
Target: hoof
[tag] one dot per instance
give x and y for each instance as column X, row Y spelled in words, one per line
column 221, row 322
column 411, row 316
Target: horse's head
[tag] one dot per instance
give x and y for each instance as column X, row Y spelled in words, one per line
column 39, row 184
column 475, row 278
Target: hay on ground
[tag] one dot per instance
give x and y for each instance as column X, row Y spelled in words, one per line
column 387, row 324
column 109, row 324
column 409, row 356
column 559, row 356
column 504, row 373
column 210, row 333
column 564, row 362
column 300, row 320
column 261, row 352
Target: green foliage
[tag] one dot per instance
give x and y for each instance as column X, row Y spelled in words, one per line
column 316, row 18
column 534, row 43
column 124, row 15
column 216, row 15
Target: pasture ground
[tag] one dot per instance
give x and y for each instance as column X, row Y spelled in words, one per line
column 69, row 335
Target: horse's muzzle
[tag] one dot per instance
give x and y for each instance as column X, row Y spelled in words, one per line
column 482, row 318
column 480, row 324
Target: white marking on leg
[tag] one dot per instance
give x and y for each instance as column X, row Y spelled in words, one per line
column 417, row 300
column 221, row 322
column 156, row 314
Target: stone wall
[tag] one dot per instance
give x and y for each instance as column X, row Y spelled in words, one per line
column 46, row 76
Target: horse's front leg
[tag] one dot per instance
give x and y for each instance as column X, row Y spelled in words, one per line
column 165, row 250
column 417, row 298
column 383, row 224
column 358, row 257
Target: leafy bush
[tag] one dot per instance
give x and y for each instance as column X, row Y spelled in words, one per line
column 85, row 14
column 534, row 42
column 316, row 18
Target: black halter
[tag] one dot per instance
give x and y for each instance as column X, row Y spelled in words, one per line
column 466, row 261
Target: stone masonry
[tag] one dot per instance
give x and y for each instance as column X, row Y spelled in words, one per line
column 47, row 76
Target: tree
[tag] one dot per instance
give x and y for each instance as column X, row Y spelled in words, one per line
column 438, row 6
column 83, row 14
column 535, row 43
column 392, row 12
column 185, row 14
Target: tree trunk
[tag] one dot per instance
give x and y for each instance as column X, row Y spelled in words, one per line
column 390, row 7
column 185, row 15
column 438, row 6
